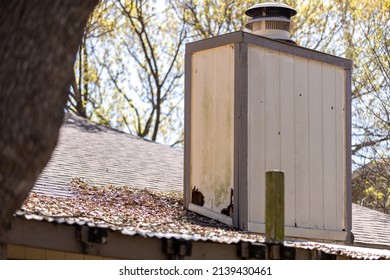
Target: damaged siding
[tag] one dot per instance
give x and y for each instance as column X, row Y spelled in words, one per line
column 211, row 178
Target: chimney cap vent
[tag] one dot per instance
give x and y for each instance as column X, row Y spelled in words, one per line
column 271, row 20
column 268, row 9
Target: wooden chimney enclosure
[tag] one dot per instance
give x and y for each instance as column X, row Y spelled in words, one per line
column 253, row 105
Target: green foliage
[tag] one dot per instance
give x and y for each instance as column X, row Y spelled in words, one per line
column 130, row 70
column 371, row 186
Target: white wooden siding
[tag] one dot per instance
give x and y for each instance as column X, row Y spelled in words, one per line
column 329, row 148
column 272, row 111
column 212, row 115
column 340, row 147
column 316, row 146
column 296, row 123
column 256, row 136
column 301, row 122
column 287, row 148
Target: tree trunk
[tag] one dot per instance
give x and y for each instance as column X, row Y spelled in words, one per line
column 39, row 42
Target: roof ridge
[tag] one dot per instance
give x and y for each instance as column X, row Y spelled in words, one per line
column 73, row 119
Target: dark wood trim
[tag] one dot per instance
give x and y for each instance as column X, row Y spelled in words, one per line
column 240, row 219
column 214, row 42
column 296, row 50
column 187, row 129
column 348, row 153
column 245, row 37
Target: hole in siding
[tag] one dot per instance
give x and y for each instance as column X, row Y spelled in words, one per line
column 197, row 197
column 228, row 211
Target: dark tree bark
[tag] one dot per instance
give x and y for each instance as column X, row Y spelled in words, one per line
column 38, row 45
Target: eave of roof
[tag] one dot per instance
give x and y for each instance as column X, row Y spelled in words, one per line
column 137, row 244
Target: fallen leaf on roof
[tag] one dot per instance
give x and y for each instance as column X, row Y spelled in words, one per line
column 132, row 209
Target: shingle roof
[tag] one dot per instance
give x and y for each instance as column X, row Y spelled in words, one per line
column 370, row 227
column 104, row 156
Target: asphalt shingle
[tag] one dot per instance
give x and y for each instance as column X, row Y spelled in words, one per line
column 104, row 156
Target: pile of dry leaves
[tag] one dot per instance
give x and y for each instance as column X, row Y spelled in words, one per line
column 131, row 209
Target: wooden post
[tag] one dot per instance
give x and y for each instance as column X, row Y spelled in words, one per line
column 274, row 207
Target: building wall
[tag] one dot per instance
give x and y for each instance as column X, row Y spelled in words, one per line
column 297, row 124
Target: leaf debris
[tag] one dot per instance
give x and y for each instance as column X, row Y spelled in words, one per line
column 141, row 210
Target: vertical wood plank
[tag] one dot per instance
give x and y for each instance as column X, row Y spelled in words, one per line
column 73, row 256
column 329, row 147
column 240, row 145
column 316, row 136
column 201, row 125
column 340, row 148
column 55, row 255
column 188, row 70
column 223, row 116
column 302, row 164
column 16, row 252
column 272, row 111
column 287, row 129
column 35, row 253
column 90, row 257
column 194, row 128
column 256, row 134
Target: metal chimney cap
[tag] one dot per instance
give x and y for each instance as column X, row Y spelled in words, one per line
column 256, row 10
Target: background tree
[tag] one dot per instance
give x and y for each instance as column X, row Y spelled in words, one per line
column 82, row 97
column 39, row 41
column 371, row 185
column 209, row 18
column 135, row 70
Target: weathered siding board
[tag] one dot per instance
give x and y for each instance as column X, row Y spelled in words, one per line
column 329, row 146
column 272, row 111
column 35, row 253
column 200, row 126
column 16, row 252
column 287, row 112
column 340, row 148
column 55, row 255
column 223, row 120
column 302, row 165
column 316, row 146
column 73, row 256
column 256, row 135
column 212, row 126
